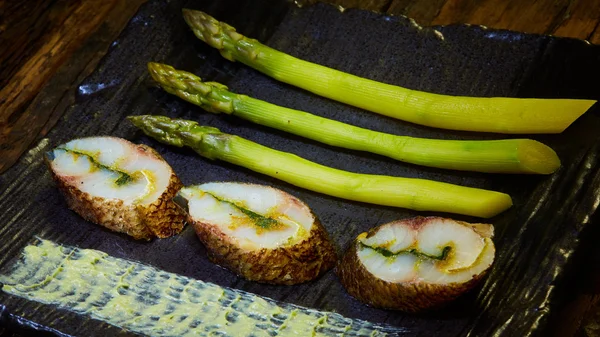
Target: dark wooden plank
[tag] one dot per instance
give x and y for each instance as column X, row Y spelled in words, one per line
column 567, row 18
column 423, row 11
column 23, row 25
column 595, row 37
column 526, row 16
column 62, row 34
column 22, row 119
column 81, row 64
column 582, row 21
column 374, row 5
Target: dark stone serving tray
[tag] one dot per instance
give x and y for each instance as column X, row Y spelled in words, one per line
column 540, row 241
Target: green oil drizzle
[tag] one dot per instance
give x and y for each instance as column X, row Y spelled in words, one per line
column 258, row 219
column 124, row 178
column 388, row 253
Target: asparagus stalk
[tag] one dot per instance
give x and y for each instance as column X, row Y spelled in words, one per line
column 496, row 114
column 417, row 194
column 495, row 156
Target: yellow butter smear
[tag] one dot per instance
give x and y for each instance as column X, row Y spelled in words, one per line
column 146, row 300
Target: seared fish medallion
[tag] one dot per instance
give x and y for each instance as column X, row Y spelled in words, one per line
column 260, row 233
column 417, row 264
column 122, row 186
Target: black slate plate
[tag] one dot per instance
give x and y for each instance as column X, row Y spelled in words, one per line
column 538, row 241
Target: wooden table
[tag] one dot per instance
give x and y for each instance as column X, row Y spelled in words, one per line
column 55, row 44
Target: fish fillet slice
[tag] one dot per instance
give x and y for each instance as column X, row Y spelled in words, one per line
column 122, row 186
column 260, row 233
column 417, row 264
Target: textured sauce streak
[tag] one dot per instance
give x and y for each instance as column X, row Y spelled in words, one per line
column 147, row 300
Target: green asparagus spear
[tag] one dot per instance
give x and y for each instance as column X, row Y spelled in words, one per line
column 494, row 156
column 417, row 194
column 496, row 114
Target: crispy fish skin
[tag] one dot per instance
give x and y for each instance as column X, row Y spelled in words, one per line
column 403, row 296
column 162, row 218
column 295, row 264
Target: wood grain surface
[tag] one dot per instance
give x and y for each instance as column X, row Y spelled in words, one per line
column 39, row 35
column 56, row 43
column 39, row 39
column 568, row 18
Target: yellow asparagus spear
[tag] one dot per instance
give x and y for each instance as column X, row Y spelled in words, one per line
column 495, row 114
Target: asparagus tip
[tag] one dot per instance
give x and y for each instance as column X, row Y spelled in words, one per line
column 215, row 32
column 138, row 121
column 211, row 96
column 206, row 28
column 133, row 119
column 153, row 65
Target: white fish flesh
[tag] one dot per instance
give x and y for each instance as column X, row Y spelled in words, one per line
column 125, row 187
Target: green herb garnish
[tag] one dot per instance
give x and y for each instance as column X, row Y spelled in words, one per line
column 258, row 219
column 124, row 178
column 388, row 253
